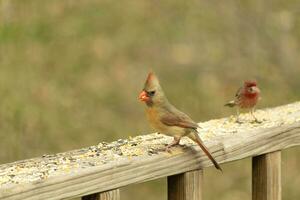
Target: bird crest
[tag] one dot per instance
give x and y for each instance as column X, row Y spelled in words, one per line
column 152, row 81
column 250, row 83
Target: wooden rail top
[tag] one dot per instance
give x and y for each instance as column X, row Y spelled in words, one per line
column 108, row 166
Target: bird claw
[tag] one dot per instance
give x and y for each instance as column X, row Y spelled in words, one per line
column 238, row 121
column 168, row 150
column 257, row 121
column 168, row 147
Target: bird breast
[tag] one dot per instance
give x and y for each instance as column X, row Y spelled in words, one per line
column 247, row 102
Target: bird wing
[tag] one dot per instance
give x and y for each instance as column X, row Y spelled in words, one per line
column 178, row 119
column 238, row 94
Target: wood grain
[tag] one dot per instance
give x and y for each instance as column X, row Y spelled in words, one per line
column 185, row 186
column 266, row 176
column 141, row 168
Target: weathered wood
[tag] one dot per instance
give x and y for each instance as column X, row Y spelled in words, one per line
column 229, row 142
column 109, row 195
column 185, row 186
column 266, row 176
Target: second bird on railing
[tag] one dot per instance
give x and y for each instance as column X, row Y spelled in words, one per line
column 167, row 119
column 246, row 97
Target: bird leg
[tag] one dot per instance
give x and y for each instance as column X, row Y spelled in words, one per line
column 173, row 143
column 238, row 116
column 252, row 114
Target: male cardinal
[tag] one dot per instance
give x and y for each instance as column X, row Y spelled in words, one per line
column 247, row 96
column 167, row 119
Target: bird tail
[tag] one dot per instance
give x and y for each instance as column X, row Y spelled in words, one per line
column 230, row 104
column 195, row 137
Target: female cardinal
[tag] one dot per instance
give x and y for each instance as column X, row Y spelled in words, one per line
column 247, row 96
column 167, row 119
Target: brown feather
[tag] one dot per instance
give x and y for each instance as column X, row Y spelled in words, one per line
column 181, row 121
column 195, row 137
column 167, row 119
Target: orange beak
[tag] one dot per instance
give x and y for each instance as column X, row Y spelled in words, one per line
column 143, row 96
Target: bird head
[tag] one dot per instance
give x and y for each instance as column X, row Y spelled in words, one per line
column 251, row 87
column 152, row 92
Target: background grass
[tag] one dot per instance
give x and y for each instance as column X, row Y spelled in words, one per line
column 70, row 73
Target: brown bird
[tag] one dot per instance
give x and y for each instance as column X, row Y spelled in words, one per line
column 167, row 119
column 246, row 97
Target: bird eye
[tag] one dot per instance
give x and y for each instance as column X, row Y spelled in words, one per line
column 151, row 93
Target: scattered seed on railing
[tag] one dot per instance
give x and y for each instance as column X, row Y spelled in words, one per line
column 148, row 145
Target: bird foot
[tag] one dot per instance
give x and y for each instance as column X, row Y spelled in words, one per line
column 168, row 150
column 256, row 121
column 238, row 121
column 168, row 147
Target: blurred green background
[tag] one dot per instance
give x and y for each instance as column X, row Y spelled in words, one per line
column 71, row 71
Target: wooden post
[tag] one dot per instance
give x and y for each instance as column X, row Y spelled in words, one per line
column 186, row 186
column 266, row 176
column 109, row 195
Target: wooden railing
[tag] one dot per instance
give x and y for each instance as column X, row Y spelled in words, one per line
column 97, row 172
